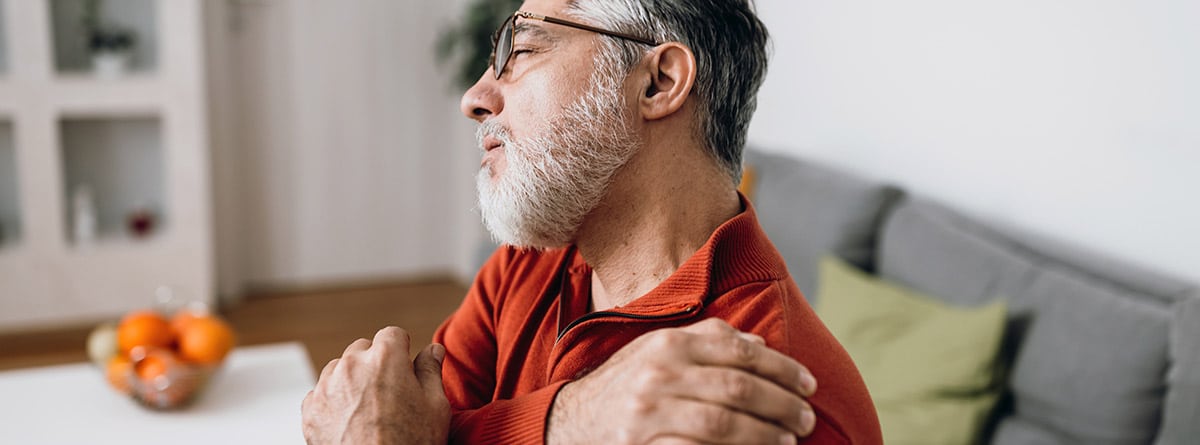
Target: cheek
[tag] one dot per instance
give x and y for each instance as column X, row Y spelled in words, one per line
column 542, row 95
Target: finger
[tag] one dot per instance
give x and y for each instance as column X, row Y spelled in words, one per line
column 361, row 344
column 747, row 393
column 710, row 326
column 328, row 369
column 428, row 367
column 674, row 440
column 705, row 422
column 753, row 338
column 393, row 343
column 735, row 351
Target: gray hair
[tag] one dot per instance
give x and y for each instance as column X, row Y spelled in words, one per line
column 730, row 45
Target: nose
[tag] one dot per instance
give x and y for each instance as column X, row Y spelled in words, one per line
column 483, row 99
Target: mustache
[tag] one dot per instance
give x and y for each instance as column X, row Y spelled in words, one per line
column 494, row 129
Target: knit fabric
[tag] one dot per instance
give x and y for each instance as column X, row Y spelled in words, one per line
column 524, row 331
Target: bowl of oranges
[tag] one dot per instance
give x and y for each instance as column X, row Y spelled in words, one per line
column 162, row 358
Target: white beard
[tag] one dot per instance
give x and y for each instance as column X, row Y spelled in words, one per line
column 556, row 177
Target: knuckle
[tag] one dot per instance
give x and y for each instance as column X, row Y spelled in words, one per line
column 394, row 331
column 716, row 423
column 624, row 436
column 713, row 325
column 667, row 339
column 652, row 376
column 392, row 336
column 640, row 405
column 739, row 389
column 744, row 351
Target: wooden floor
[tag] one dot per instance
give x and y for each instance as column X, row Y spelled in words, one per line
column 325, row 322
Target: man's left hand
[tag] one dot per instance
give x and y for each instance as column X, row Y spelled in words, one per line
column 373, row 394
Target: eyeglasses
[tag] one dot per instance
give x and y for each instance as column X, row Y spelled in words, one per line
column 502, row 42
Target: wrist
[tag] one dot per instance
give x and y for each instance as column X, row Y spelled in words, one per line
column 559, row 423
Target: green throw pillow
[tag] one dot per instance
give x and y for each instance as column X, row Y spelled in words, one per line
column 930, row 368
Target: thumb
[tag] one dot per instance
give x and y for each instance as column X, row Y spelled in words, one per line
column 428, row 367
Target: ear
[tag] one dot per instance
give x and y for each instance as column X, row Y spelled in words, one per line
column 672, row 72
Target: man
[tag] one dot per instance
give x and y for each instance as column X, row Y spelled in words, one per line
column 642, row 303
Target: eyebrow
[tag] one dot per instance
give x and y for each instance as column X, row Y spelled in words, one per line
column 534, row 31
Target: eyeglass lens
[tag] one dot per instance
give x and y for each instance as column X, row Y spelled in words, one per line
column 503, row 46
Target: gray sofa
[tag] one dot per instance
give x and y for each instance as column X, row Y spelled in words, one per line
column 1099, row 352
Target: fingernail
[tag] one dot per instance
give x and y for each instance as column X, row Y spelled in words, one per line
column 808, row 420
column 808, row 383
column 439, row 352
column 787, row 439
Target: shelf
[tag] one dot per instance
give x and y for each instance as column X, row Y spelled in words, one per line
column 10, row 209
column 118, row 164
column 71, row 52
column 137, row 94
column 136, row 139
column 84, row 93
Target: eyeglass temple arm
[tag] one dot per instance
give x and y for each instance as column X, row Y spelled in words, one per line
column 532, row 16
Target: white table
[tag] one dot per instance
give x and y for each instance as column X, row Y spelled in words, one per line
column 253, row 399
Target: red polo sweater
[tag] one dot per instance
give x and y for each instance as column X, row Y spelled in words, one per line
column 523, row 331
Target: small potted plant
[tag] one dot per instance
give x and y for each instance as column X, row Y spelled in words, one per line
column 469, row 43
column 111, row 47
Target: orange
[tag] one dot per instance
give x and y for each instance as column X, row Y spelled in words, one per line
column 206, row 340
column 143, row 328
column 181, row 319
column 117, row 372
column 151, row 367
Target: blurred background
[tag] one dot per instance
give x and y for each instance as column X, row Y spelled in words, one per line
column 302, row 166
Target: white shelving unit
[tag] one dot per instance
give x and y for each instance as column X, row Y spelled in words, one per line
column 139, row 141
column 10, row 215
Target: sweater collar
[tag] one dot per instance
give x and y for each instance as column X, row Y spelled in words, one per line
column 737, row 252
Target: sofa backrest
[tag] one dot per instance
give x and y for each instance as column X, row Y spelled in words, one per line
column 1094, row 341
column 809, row 211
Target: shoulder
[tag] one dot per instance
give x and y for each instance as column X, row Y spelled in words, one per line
column 774, row 309
column 778, row 312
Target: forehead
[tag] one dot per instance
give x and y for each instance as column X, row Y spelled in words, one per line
column 536, row 29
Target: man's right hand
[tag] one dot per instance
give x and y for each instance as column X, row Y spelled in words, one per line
column 704, row 383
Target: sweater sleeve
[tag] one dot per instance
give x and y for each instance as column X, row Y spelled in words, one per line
column 777, row 312
column 469, row 370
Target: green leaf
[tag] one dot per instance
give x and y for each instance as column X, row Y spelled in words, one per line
column 469, row 43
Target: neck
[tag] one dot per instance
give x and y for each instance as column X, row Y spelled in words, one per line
column 661, row 208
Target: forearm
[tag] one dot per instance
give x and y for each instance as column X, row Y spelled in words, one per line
column 562, row 426
column 522, row 419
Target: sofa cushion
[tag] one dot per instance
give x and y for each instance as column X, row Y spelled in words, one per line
column 1181, row 416
column 809, row 211
column 1091, row 354
column 1020, row 431
column 930, row 367
column 930, row 248
column 1092, row 362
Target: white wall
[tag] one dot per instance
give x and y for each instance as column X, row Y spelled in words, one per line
column 340, row 153
column 3, row 44
column 1077, row 119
